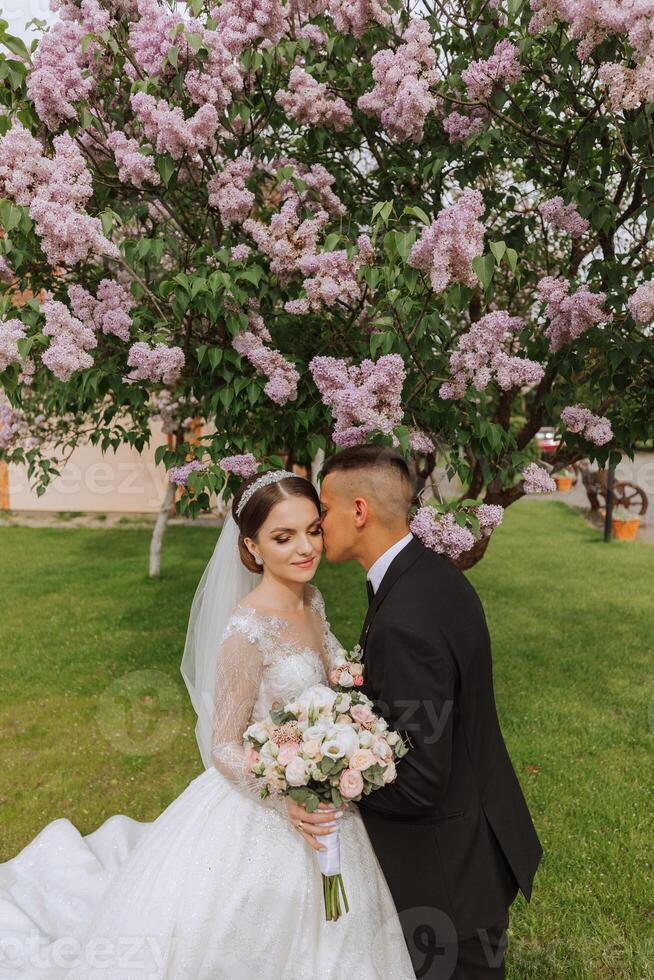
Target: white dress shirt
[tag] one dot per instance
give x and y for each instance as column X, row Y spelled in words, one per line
column 378, row 569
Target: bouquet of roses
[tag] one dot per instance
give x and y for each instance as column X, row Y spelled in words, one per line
column 325, row 746
column 347, row 670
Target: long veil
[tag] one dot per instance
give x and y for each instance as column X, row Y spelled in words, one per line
column 225, row 581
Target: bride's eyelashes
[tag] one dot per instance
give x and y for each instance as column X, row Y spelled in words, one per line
column 315, row 533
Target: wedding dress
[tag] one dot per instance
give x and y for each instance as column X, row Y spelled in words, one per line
column 220, row 886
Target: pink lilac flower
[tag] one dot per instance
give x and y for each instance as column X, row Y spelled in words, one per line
column 239, row 253
column 363, row 398
column 151, row 36
column 315, row 35
column 180, row 474
column 641, row 303
column 241, row 22
column 219, row 77
column 53, row 189
column 11, row 422
column 563, row 217
column 479, row 358
column 503, row 67
column 308, row 102
column 420, row 442
column 287, row 239
column 228, row 193
column 169, row 130
column 353, row 16
column 319, row 195
column 331, row 278
column 629, row 87
column 447, row 247
column 579, row 419
column 71, row 340
column 401, row 97
column 243, row 465
column 489, row 517
column 441, row 533
column 158, row 363
column 109, row 312
column 10, row 332
column 172, row 412
column 282, row 375
column 94, row 19
column 133, row 166
column 459, row 126
column 57, row 79
column 537, row 479
column 570, row 316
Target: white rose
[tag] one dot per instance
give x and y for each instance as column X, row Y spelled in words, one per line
column 319, row 696
column 313, row 733
column 381, row 725
column 343, row 702
column 393, row 738
column 346, row 679
column 269, row 752
column 366, row 738
column 257, row 732
column 296, row 772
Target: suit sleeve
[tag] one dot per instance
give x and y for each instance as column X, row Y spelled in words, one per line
column 416, row 697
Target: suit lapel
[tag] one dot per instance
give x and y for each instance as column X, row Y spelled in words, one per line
column 400, row 564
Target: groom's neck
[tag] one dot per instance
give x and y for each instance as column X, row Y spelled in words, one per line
column 375, row 542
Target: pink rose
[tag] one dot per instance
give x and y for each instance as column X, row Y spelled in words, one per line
column 287, row 752
column 358, row 681
column 389, row 772
column 382, row 749
column 350, row 783
column 251, row 756
column 334, row 676
column 362, row 714
column 362, row 759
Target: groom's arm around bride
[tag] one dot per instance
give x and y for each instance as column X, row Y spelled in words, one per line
column 452, row 833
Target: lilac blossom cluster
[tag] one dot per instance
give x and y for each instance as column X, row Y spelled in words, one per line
column 420, row 442
column 282, row 375
column 579, row 419
column 169, row 131
column 158, row 363
column 220, row 78
column 180, row 474
column 570, row 315
column 109, row 312
column 308, row 102
column 287, row 239
column 459, row 126
column 441, row 533
column 353, row 16
column 479, row 358
column 53, row 189
column 363, row 398
column 11, row 331
column 241, row 22
column 641, row 303
column 536, row 479
column 72, row 339
column 133, row 166
column 564, row 217
column 60, row 73
column 401, row 98
column 243, row 465
column 11, row 422
column 150, row 37
column 447, row 247
column 228, row 193
column 482, row 77
column 592, row 21
column 332, row 278
column 489, row 517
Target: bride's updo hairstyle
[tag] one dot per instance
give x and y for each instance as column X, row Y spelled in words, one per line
column 258, row 507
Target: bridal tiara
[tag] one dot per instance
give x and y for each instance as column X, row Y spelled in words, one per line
column 274, row 476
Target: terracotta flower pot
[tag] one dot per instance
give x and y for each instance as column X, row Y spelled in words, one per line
column 626, row 530
column 563, row 483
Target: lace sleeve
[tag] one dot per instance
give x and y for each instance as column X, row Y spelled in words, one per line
column 331, row 644
column 238, row 675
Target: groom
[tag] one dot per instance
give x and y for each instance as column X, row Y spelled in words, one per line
column 452, row 833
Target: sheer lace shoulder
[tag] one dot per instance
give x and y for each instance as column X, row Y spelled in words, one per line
column 331, row 644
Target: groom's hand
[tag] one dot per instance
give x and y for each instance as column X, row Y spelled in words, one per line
column 321, row 821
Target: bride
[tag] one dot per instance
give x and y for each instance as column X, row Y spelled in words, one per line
column 223, row 885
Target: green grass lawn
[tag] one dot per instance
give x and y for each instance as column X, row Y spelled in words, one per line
column 94, row 717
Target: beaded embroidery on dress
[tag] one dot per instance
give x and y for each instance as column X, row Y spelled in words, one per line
column 220, row 886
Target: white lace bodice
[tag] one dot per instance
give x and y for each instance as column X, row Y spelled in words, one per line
column 262, row 661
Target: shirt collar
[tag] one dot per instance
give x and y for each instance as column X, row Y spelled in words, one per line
column 379, row 568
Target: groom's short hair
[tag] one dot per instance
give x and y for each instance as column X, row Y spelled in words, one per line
column 371, row 462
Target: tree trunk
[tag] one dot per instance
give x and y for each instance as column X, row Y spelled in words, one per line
column 476, row 553
column 159, row 528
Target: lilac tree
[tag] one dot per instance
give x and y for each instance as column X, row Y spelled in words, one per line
column 321, row 222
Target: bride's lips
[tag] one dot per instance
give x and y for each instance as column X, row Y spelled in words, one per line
column 304, row 564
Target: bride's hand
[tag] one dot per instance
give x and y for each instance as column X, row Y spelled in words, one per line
column 321, row 821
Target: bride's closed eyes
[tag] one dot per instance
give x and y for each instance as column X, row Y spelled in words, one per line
column 315, row 530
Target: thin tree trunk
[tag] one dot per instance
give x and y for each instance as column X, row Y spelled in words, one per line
column 159, row 528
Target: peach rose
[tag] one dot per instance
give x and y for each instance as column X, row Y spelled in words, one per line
column 334, row 676
column 311, row 748
column 389, row 772
column 362, row 759
column 350, row 783
column 356, row 670
column 362, row 714
column 287, row 752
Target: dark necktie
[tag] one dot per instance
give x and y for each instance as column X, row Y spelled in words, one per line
column 371, row 591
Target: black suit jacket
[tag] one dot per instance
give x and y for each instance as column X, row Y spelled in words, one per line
column 453, row 832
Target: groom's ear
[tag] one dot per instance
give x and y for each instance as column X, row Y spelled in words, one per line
column 361, row 511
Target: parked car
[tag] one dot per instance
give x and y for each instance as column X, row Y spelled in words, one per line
column 547, row 441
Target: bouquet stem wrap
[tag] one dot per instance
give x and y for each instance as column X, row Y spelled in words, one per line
column 329, row 861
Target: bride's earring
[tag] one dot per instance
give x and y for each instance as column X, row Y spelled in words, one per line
column 258, row 559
